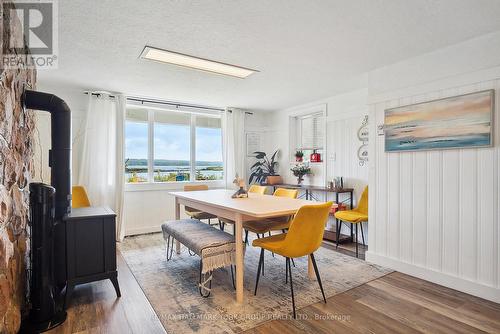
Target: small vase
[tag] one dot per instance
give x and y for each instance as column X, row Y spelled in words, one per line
column 299, row 180
column 299, row 159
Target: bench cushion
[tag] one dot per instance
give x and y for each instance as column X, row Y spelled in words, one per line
column 215, row 247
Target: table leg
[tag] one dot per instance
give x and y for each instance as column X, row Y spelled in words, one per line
column 310, row 268
column 239, row 258
column 177, row 217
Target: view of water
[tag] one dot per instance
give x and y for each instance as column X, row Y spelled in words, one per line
column 173, row 173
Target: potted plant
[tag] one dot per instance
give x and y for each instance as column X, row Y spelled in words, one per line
column 264, row 170
column 299, row 155
column 299, row 170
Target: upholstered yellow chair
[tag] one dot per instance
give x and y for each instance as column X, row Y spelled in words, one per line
column 356, row 216
column 304, row 237
column 275, row 224
column 79, row 198
column 194, row 213
column 255, row 189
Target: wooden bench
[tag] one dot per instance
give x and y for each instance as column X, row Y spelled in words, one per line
column 216, row 248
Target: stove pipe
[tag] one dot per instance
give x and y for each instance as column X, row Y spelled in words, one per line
column 60, row 153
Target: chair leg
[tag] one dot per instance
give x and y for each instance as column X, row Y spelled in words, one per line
column 338, row 227
column 261, row 259
column 246, row 237
column 289, row 268
column 293, row 262
column 356, row 240
column 286, row 270
column 232, row 277
column 221, row 225
column 313, row 260
column 362, row 234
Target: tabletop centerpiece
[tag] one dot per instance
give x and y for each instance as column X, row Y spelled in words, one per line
column 241, row 192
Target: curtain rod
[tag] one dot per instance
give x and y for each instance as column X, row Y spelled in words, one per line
column 246, row 112
column 174, row 104
column 168, row 103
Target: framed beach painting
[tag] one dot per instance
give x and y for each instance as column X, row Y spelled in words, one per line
column 454, row 122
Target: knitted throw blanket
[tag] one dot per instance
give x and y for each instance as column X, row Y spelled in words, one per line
column 216, row 248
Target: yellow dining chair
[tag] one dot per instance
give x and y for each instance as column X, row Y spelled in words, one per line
column 79, row 198
column 255, row 189
column 194, row 213
column 356, row 216
column 275, row 224
column 304, row 237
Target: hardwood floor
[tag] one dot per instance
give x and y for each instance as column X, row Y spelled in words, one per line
column 395, row 303
column 347, row 248
column 94, row 308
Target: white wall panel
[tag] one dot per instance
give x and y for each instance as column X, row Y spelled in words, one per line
column 438, row 210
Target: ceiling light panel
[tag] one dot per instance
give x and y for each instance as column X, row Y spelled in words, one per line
column 206, row 65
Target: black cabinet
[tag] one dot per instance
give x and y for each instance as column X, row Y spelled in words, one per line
column 90, row 247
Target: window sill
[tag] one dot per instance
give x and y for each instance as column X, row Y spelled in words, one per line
column 179, row 185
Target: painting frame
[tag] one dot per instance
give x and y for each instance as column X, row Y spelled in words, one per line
column 491, row 94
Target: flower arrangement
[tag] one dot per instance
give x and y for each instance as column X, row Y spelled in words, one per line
column 299, row 170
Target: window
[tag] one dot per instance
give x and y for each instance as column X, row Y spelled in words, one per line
column 172, row 146
column 311, row 132
column 208, row 149
column 307, row 132
column 172, row 136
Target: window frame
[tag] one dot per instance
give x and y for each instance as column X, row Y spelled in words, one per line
column 150, row 184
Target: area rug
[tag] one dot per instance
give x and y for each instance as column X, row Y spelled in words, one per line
column 171, row 287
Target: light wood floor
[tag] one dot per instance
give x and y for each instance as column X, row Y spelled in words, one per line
column 94, row 308
column 395, row 303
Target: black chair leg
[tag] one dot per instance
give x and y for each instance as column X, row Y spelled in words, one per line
column 338, row 227
column 286, row 270
column 246, row 237
column 232, row 277
column 317, row 276
column 261, row 259
column 293, row 262
column 289, row 268
column 221, row 225
column 362, row 234
column 356, row 240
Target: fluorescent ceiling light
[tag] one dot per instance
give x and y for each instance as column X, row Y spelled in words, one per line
column 180, row 59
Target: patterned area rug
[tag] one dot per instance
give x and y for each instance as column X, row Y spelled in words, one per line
column 171, row 287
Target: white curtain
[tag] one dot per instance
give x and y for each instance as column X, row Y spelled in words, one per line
column 234, row 145
column 101, row 165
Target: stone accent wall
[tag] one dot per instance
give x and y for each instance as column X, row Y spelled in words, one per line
column 16, row 168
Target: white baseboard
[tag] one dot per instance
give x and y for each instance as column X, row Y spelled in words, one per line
column 142, row 230
column 450, row 281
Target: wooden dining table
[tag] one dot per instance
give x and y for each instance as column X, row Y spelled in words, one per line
column 256, row 207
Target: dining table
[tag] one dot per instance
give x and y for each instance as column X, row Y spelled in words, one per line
column 255, row 207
